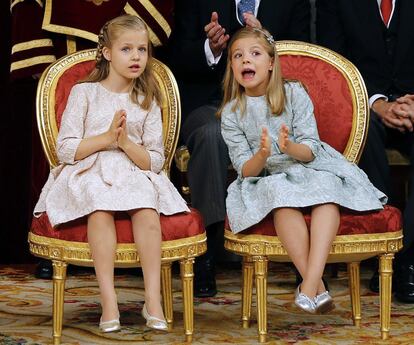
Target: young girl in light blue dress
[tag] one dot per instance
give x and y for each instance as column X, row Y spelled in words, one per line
column 270, row 129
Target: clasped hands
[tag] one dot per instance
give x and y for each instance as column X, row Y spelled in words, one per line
column 266, row 141
column 117, row 132
column 216, row 34
column 398, row 115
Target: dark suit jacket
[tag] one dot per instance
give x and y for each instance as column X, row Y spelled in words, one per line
column 199, row 83
column 355, row 29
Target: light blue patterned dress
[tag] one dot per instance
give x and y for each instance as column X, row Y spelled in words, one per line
column 286, row 182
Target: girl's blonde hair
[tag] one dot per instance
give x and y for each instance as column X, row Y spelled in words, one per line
column 145, row 84
column 275, row 92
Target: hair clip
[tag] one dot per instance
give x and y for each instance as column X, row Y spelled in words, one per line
column 270, row 39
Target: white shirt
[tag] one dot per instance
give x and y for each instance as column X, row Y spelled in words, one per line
column 211, row 60
column 373, row 98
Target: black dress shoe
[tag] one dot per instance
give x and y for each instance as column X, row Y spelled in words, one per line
column 44, row 270
column 204, row 278
column 205, row 289
column 404, row 292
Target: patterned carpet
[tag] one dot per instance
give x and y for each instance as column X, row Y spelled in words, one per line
column 25, row 313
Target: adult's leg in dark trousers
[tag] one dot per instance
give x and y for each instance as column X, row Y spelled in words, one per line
column 207, row 178
column 374, row 158
column 405, row 259
column 375, row 164
column 44, row 269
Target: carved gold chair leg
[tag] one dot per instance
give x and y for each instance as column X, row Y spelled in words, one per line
column 355, row 292
column 167, row 296
column 260, row 272
column 247, row 291
column 59, row 277
column 385, row 273
column 187, row 276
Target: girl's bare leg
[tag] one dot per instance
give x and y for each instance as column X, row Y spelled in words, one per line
column 102, row 243
column 324, row 226
column 294, row 235
column 147, row 234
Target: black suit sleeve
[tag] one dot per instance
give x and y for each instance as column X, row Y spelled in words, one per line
column 329, row 28
column 286, row 20
column 186, row 46
column 299, row 25
column 335, row 29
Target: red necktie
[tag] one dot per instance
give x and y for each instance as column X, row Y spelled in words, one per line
column 386, row 9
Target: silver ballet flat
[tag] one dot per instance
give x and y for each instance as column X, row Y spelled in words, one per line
column 304, row 302
column 154, row 322
column 109, row 326
column 324, row 302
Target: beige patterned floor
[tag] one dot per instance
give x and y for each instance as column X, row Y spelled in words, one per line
column 25, row 313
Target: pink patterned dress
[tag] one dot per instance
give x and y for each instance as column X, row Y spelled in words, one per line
column 106, row 180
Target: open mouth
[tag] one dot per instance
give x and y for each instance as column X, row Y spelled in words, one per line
column 134, row 67
column 248, row 73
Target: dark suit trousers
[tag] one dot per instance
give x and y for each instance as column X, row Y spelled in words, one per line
column 209, row 161
column 375, row 164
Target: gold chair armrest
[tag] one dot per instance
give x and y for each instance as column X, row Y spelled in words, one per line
column 181, row 158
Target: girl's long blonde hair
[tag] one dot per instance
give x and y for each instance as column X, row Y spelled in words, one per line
column 275, row 92
column 145, row 84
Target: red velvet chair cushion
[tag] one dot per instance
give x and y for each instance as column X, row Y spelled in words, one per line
column 330, row 95
column 174, row 227
column 387, row 220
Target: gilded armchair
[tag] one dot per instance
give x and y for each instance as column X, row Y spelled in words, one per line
column 341, row 109
column 183, row 234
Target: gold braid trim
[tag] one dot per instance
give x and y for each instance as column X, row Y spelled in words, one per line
column 153, row 37
column 70, row 44
column 157, row 16
column 46, row 25
column 61, row 29
column 15, row 2
column 32, row 61
column 18, row 47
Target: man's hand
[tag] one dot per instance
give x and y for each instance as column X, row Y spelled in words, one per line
column 251, row 20
column 405, row 107
column 385, row 111
column 216, row 34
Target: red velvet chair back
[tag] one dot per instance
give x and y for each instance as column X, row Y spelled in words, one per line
column 336, row 90
column 68, row 79
column 58, row 80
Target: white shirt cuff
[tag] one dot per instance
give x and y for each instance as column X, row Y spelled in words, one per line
column 211, row 60
column 373, row 98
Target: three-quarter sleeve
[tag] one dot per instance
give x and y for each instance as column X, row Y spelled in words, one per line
column 71, row 130
column 152, row 138
column 235, row 139
column 304, row 126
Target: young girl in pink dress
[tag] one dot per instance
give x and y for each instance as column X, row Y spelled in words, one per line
column 111, row 154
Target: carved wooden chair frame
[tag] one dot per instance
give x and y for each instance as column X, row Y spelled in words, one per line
column 63, row 252
column 351, row 249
